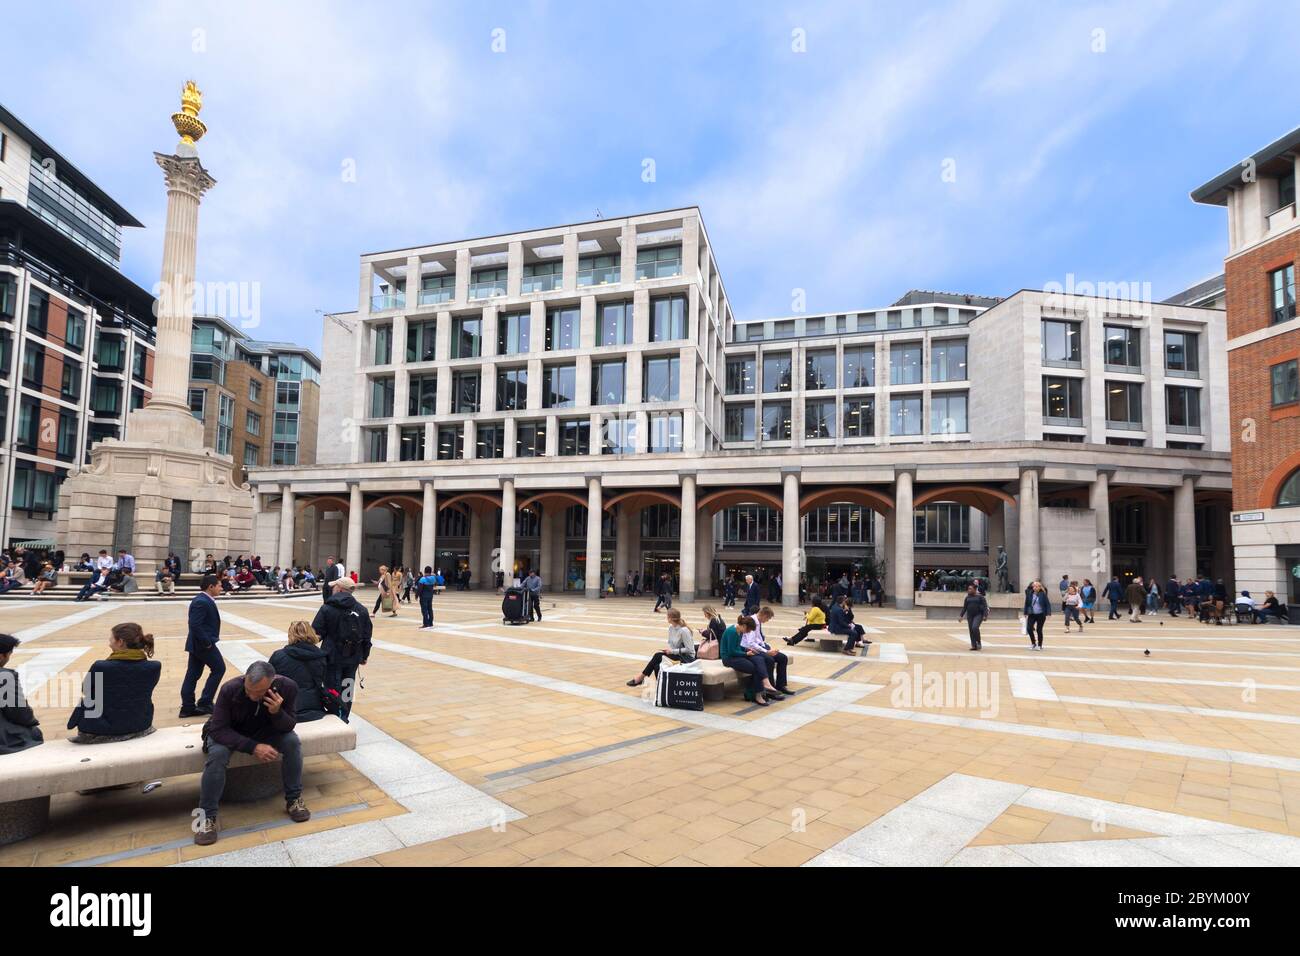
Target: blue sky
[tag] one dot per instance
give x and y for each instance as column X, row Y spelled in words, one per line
column 1075, row 132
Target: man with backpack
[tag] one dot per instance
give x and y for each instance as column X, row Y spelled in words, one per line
column 344, row 628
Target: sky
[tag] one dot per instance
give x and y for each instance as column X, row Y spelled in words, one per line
column 840, row 152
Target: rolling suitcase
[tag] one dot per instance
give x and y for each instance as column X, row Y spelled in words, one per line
column 514, row 606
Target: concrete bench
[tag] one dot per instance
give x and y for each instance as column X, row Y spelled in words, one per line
column 719, row 678
column 30, row 777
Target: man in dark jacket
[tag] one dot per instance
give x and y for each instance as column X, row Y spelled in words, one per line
column 333, row 571
column 254, row 714
column 344, row 628
column 1112, row 593
column 19, row 728
column 201, row 645
column 753, row 596
column 1136, row 595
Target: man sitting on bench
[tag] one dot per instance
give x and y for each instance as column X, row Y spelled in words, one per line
column 254, row 714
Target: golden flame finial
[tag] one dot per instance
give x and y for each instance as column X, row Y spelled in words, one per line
column 187, row 121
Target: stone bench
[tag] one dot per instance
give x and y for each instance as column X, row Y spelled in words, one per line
column 719, row 678
column 30, row 777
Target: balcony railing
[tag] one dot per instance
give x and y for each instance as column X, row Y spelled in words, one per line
column 434, row 296
column 391, row 300
column 545, row 283
column 662, row 269
column 487, row 290
column 603, row 275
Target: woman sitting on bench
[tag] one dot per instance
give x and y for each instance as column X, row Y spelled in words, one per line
column 117, row 697
column 813, row 620
column 19, row 728
column 303, row 662
column 710, row 634
column 748, row 662
column 681, row 647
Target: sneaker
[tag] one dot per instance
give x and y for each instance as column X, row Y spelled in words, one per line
column 190, row 712
column 206, row 834
column 297, row 810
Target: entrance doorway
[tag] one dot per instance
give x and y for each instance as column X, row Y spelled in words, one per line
column 655, row 563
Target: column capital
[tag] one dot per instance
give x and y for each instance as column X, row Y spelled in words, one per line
column 791, row 470
column 428, row 483
column 904, row 471
column 587, row 476
column 1107, row 470
column 503, row 480
column 1193, row 475
column 185, row 174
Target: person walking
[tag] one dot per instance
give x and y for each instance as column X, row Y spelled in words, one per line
column 345, row 631
column 387, row 597
column 1113, row 592
column 1135, row 594
column 753, row 596
column 975, row 608
column 1038, row 608
column 333, row 571
column 1088, row 593
column 202, row 635
column 533, row 585
column 1072, row 602
column 663, row 592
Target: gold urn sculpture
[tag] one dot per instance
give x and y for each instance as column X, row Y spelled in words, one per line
column 187, row 121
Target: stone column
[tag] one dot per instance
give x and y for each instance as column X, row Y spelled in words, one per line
column 508, row 515
column 704, row 554
column 622, row 546
column 791, row 545
column 284, row 554
column 593, row 536
column 997, row 538
column 356, row 518
column 476, row 550
column 686, row 544
column 428, row 528
column 1030, row 549
column 1185, row 528
column 546, row 546
column 408, row 539
column 1099, row 502
column 904, row 543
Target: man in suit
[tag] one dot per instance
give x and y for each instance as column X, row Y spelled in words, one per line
column 333, row 571
column 753, row 596
column 201, row 645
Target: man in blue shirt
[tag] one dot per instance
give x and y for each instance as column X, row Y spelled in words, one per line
column 201, row 645
column 424, row 589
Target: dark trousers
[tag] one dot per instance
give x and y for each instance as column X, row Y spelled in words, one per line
column 973, row 625
column 755, row 667
column 853, row 637
column 426, row 609
column 1114, row 610
column 663, row 600
column 804, row 631
column 211, row 659
column 776, row 667
column 213, row 783
column 341, row 676
column 534, row 605
column 653, row 666
column 1034, row 626
column 1072, row 614
column 324, row 592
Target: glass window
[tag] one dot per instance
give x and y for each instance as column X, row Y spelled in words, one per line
column 1123, row 347
column 465, row 391
column 620, row 435
column 905, row 363
column 75, row 336
column 254, row 391
column 615, row 322
column 859, row 365
column 948, row 413
column 383, row 344
column 1063, row 400
column 840, row 524
column 607, row 383
column 1289, row 495
column 1062, row 343
column 253, row 423
column 287, row 395
column 776, row 421
column 665, row 432
column 225, row 423
column 513, row 333
column 376, row 444
column 467, row 337
column 740, row 376
column 575, row 437
column 422, row 396
column 542, row 276
column 598, row 270
column 284, row 453
column 70, row 389
column 819, row 419
column 530, row 439
column 740, row 423
column 251, row 455
column 948, row 360
column 659, row 262
column 198, row 400
column 38, row 310
column 777, row 373
column 512, row 389
column 661, row 378
column 819, row 372
column 859, row 418
column 1181, row 355
column 667, row 318
column 451, row 442
column 905, row 415
column 487, row 283
column 1285, row 382
column 1282, row 284
column 381, row 397
column 942, row 524
column 421, row 338
column 1124, row 404
column 562, row 328
column 559, row 386
column 286, row 426
column 1183, row 409
column 490, row 441
column 751, row 524
column 1286, row 189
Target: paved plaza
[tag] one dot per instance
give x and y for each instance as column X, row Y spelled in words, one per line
column 485, row 744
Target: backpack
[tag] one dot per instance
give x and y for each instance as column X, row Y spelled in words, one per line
column 349, row 636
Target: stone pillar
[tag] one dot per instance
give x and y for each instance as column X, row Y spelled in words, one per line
column 904, row 543
column 704, row 554
column 408, row 539
column 428, row 528
column 508, row 515
column 284, row 554
column 791, row 546
column 593, row 536
column 686, row 543
column 1030, row 550
column 1185, row 528
column 476, row 550
column 622, row 547
column 356, row 519
column 1099, row 502
column 997, row 538
column 546, row 547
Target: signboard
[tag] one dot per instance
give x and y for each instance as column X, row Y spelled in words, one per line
column 1245, row 516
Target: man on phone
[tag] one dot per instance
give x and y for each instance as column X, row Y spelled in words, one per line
column 254, row 714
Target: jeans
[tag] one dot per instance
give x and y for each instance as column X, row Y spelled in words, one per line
column 663, row 600
column 1034, row 626
column 1114, row 609
column 973, row 626
column 755, row 667
column 214, row 770
column 342, row 676
column 426, row 610
column 653, row 666
column 804, row 631
column 211, row 659
column 1072, row 614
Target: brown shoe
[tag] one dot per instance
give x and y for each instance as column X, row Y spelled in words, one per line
column 206, row 835
column 297, row 811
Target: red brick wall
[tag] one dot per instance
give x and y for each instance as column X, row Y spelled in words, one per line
column 1276, row 431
